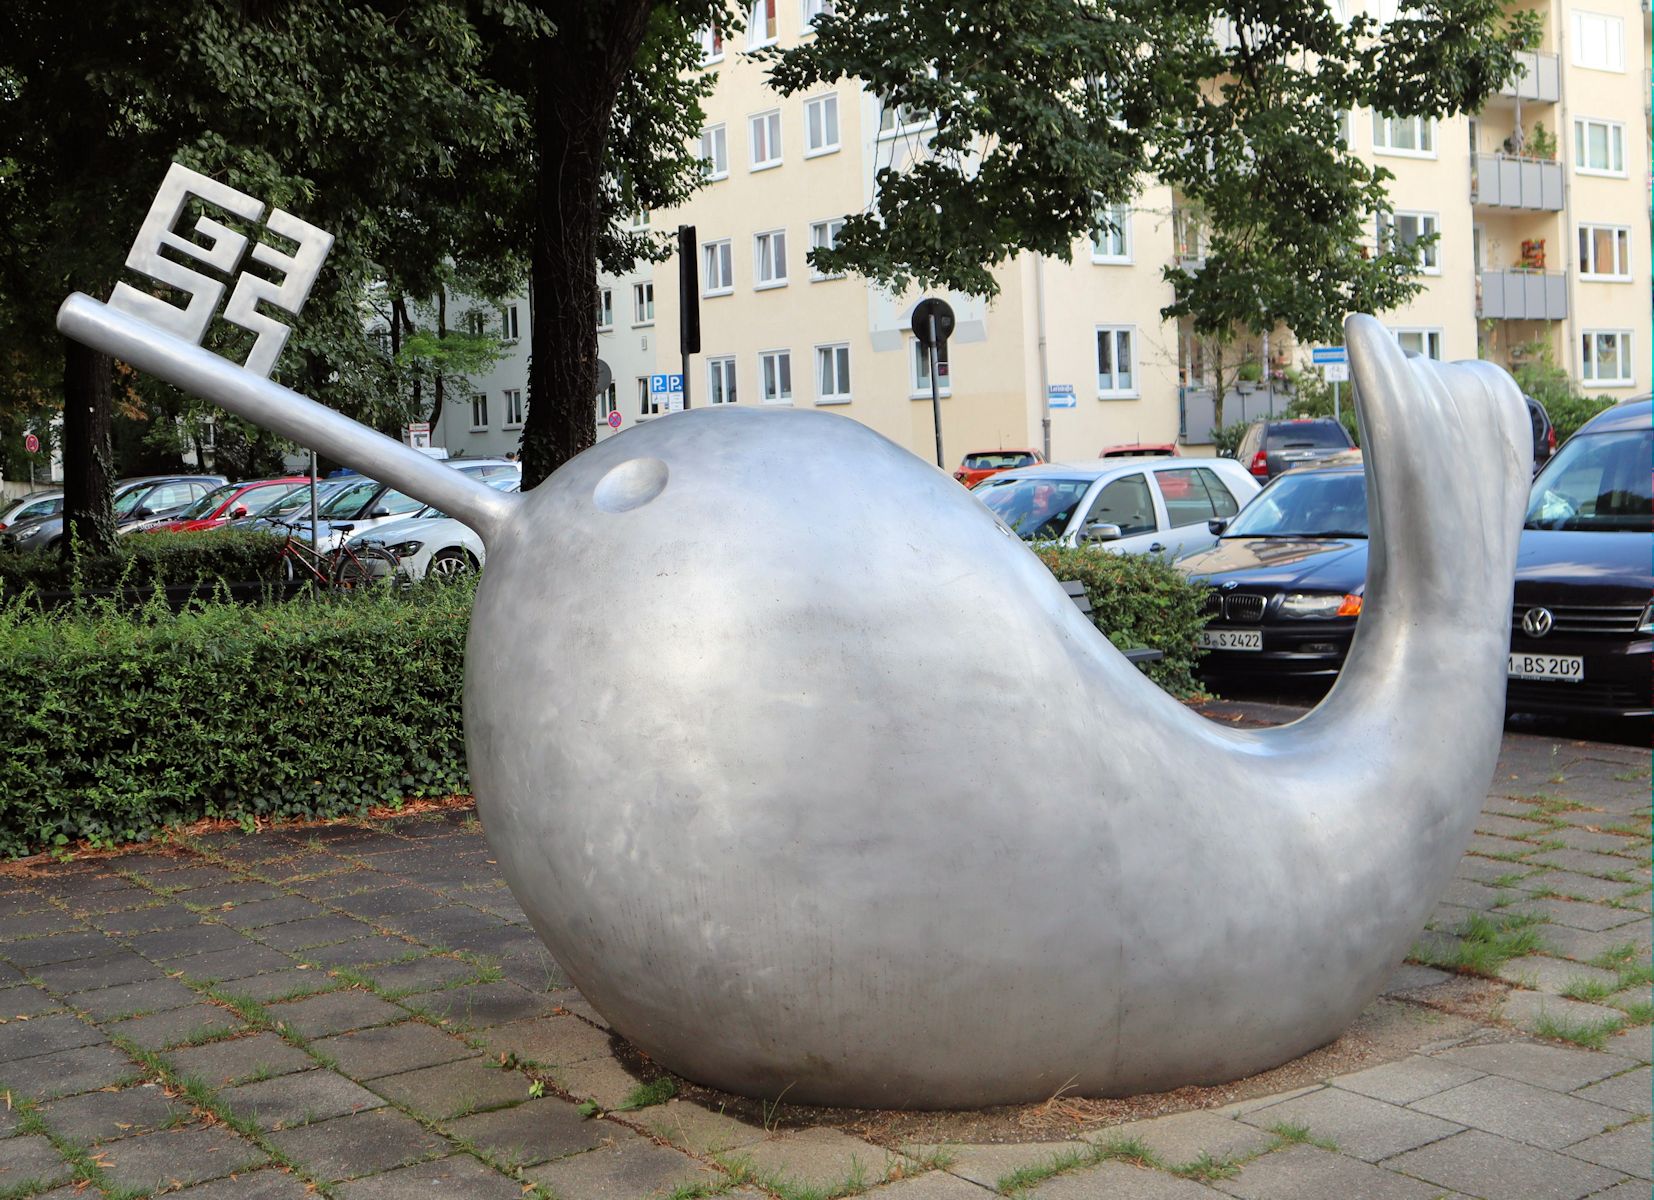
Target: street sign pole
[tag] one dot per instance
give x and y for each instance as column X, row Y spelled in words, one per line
column 931, row 324
column 935, row 391
column 1335, row 413
column 313, row 535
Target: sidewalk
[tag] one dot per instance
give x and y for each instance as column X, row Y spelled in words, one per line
column 362, row 1011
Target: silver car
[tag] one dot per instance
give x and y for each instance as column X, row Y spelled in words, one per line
column 1135, row 506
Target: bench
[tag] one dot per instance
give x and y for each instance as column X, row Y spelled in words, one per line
column 1140, row 655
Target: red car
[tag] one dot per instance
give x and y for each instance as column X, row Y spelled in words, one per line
column 979, row 464
column 1142, row 450
column 230, row 502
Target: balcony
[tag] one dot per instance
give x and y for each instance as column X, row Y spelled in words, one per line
column 1500, row 181
column 1522, row 295
column 1539, row 82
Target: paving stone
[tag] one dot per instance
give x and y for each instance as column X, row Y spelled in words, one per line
column 1624, row 1149
column 392, row 1049
column 1580, row 887
column 259, row 913
column 59, row 948
column 1505, row 826
column 1115, row 1180
column 223, row 1063
column 1310, row 1173
column 571, row 1001
column 1603, row 843
column 244, row 961
column 44, row 1035
column 270, row 1184
column 224, row 898
column 480, row 1005
column 179, row 1156
column 103, row 1116
column 454, row 1089
column 156, row 915
column 25, row 1000
column 1575, row 915
column 316, row 931
column 30, row 1159
column 698, row 1129
column 532, row 1132
column 67, row 1072
column 48, row 921
column 1411, row 977
column 820, row 1158
column 420, row 974
column 334, row 1012
column 1584, row 946
column 459, row 1175
column 166, row 944
column 362, row 1144
column 109, row 970
column 1536, row 1011
column 1360, row 1126
column 295, row 982
column 1558, row 1068
column 1635, row 1043
column 1480, row 1164
column 602, row 1080
column 389, row 899
column 631, row 1169
column 1521, row 1111
column 188, row 878
column 360, row 952
column 1491, row 846
column 145, row 996
column 938, row 1185
column 177, row 1025
column 1477, row 896
column 553, row 1041
column 1186, row 1136
column 1630, row 1189
column 299, row 1099
column 1542, row 974
column 1585, row 862
column 1632, row 1091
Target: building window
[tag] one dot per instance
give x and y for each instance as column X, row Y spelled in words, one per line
column 769, row 259
column 761, row 24
column 899, row 118
column 1605, row 251
column 1116, row 369
column 764, row 134
column 608, row 401
column 720, row 380
column 476, row 323
column 1427, row 342
column 824, row 236
column 1407, row 228
column 1606, row 357
column 820, row 126
column 1599, row 147
column 643, row 304
column 1599, row 41
column 479, row 411
column 833, row 374
column 711, row 40
column 640, row 220
column 811, row 9
column 647, row 404
column 513, row 409
column 508, row 323
column 605, row 308
column 919, row 372
column 1111, row 240
column 715, row 152
column 717, row 274
column 775, row 376
column 1404, row 135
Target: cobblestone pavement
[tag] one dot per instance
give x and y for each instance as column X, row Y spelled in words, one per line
column 362, row 1012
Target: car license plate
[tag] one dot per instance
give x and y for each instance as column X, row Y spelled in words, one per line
column 1231, row 639
column 1569, row 668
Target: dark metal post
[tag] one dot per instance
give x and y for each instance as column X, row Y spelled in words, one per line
column 313, row 533
column 935, row 391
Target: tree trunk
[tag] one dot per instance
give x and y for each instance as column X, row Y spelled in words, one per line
column 88, row 452
column 1217, row 385
column 441, row 332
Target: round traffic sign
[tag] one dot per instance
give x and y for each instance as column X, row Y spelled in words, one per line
column 31, row 443
column 614, row 419
column 935, row 307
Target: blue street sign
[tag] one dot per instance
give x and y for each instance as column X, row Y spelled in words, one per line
column 1060, row 395
column 662, row 385
column 1322, row 355
column 674, row 384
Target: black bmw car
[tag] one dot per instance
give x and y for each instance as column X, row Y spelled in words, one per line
column 1287, row 577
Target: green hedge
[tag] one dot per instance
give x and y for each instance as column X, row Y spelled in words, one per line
column 1139, row 600
column 143, row 559
column 119, row 724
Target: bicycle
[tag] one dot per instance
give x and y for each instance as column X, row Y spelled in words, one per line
column 347, row 569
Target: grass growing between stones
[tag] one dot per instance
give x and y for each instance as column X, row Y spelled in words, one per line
column 1593, row 1035
column 1485, row 944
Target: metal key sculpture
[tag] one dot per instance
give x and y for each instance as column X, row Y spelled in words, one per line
column 814, row 780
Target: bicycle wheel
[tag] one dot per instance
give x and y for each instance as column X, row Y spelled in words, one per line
column 363, row 568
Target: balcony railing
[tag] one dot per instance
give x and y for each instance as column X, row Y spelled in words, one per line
column 1522, row 295
column 1539, row 81
column 1500, row 181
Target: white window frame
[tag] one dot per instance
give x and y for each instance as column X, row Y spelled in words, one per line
column 647, row 405
column 1587, row 361
column 640, row 220
column 1621, row 240
column 510, row 326
column 822, row 105
column 643, row 304
column 1110, row 389
column 769, row 249
column 906, row 120
column 720, row 376
column 1613, row 41
column 711, row 40
column 808, row 11
column 1429, row 336
column 1428, row 257
column 721, row 254
column 762, row 33
column 841, row 395
column 514, row 410
column 773, row 365
column 715, row 152
column 1424, row 130
column 479, row 412
column 918, row 373
column 771, row 137
column 605, row 309
column 1616, row 147
column 1120, row 215
column 830, row 228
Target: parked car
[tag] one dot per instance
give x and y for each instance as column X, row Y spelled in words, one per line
column 1582, row 626
column 1287, row 577
column 980, row 464
column 1131, row 507
column 228, row 503
column 431, row 543
column 1544, row 433
column 1141, row 450
column 135, row 501
column 1269, row 447
column 363, row 503
column 36, row 506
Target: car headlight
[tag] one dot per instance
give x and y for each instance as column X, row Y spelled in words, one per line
column 406, row 549
column 1646, row 625
column 1320, row 604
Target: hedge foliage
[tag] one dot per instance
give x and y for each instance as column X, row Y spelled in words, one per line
column 1139, row 600
column 143, row 559
column 121, row 723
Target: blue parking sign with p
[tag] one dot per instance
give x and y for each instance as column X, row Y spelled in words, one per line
column 662, row 385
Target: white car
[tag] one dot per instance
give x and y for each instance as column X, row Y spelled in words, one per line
column 1129, row 506
column 36, row 506
column 432, row 543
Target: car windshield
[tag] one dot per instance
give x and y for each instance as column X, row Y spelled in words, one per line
column 349, row 501
column 1037, row 507
column 262, row 500
column 999, row 461
column 1308, row 435
column 208, row 502
column 1307, row 505
column 1600, row 481
column 128, row 500
column 299, row 498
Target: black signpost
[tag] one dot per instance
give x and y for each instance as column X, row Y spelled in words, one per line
column 689, row 302
column 932, row 323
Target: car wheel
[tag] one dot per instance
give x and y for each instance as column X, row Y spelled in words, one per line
column 451, row 563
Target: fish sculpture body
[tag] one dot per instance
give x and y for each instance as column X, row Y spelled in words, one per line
column 816, row 784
